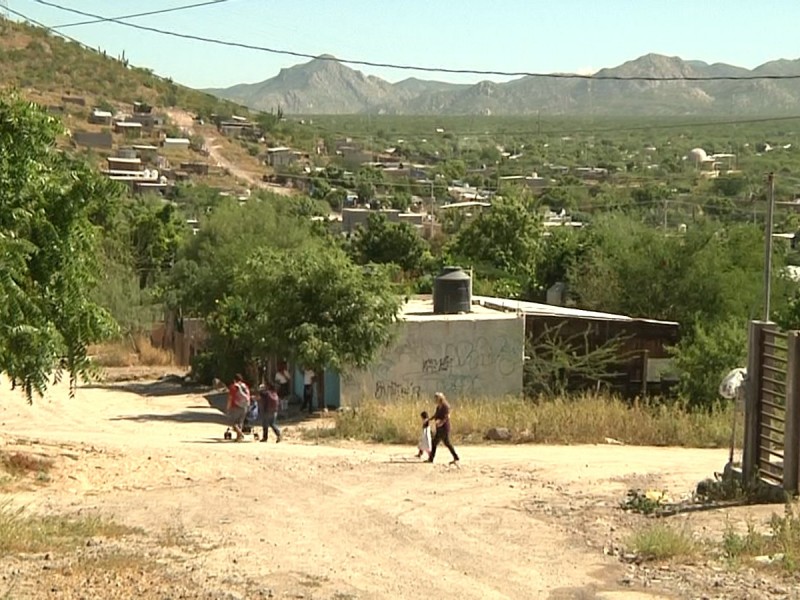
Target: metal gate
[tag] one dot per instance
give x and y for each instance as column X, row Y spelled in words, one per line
column 771, row 449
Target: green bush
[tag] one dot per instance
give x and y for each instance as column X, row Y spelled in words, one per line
column 704, row 357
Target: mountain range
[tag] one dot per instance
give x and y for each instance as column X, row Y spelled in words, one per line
column 326, row 86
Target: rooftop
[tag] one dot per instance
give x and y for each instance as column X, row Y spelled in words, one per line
column 551, row 310
column 420, row 308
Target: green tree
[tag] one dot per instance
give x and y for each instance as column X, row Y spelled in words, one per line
column 326, row 312
column 48, row 244
column 504, row 238
column 384, row 242
column 155, row 231
column 204, row 268
column 705, row 355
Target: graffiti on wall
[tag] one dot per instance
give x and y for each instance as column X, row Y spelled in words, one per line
column 482, row 359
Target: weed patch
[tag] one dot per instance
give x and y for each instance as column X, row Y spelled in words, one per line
column 34, row 533
column 780, row 545
column 662, row 542
column 20, row 464
column 581, row 420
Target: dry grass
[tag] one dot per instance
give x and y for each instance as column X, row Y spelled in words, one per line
column 39, row 533
column 662, row 542
column 135, row 351
column 20, row 464
column 583, row 420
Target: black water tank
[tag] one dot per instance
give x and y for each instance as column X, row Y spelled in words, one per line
column 452, row 292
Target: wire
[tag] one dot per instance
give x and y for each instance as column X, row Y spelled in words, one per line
column 367, row 63
column 142, row 14
column 45, row 27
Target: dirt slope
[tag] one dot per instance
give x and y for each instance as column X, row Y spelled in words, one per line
column 303, row 520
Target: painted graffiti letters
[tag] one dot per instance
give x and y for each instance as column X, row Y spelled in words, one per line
column 388, row 389
column 431, row 366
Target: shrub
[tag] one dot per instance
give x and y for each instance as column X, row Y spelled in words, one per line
column 705, row 356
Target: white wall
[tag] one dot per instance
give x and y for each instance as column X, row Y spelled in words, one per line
column 461, row 356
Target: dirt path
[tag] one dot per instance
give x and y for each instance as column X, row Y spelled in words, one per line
column 301, row 520
column 186, row 122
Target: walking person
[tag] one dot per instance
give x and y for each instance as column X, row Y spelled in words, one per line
column 269, row 404
column 238, row 403
column 308, row 390
column 424, row 444
column 442, row 419
column 282, row 380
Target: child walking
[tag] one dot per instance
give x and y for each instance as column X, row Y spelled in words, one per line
column 424, row 445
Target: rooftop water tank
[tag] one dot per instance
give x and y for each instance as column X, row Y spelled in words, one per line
column 452, row 292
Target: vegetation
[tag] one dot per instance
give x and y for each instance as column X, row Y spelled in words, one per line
column 661, row 542
column 582, row 420
column 21, row 532
column 31, row 57
column 51, row 207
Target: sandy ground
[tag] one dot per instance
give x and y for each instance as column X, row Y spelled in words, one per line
column 302, row 519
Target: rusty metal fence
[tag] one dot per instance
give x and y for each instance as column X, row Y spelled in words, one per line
column 772, row 407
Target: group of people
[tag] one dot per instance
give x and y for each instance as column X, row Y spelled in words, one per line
column 441, row 420
column 240, row 401
column 268, row 401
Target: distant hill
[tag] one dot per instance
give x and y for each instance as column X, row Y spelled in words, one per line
column 46, row 66
column 329, row 87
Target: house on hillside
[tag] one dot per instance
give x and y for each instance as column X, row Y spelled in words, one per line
column 128, row 129
column 280, row 156
column 90, row 139
column 100, row 117
column 176, row 143
column 142, row 108
column 148, row 121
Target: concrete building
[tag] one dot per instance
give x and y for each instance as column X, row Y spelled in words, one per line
column 353, row 217
column 473, row 355
column 280, row 156
column 100, row 117
column 91, row 139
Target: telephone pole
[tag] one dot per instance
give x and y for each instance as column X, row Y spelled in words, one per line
column 768, row 245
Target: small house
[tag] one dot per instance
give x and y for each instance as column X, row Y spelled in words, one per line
column 100, row 117
column 117, row 163
column 142, row 108
column 280, row 156
column 90, row 139
column 128, row 129
column 176, row 143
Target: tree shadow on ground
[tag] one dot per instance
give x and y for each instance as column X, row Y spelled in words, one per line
column 169, row 385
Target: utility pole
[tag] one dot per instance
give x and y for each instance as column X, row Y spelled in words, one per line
column 768, row 245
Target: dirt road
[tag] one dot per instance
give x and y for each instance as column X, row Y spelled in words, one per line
column 306, row 520
column 185, row 121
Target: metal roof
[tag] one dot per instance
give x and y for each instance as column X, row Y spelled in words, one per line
column 551, row 310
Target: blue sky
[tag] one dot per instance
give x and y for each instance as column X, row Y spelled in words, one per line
column 505, row 35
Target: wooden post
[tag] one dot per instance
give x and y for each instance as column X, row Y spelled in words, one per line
column 645, row 360
column 752, row 405
column 791, row 444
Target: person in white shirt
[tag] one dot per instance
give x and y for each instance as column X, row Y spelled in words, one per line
column 282, row 381
column 308, row 390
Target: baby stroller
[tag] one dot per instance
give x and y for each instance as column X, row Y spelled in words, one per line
column 251, row 418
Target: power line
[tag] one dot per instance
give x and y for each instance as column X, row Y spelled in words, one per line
column 367, row 63
column 141, row 14
column 45, row 27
